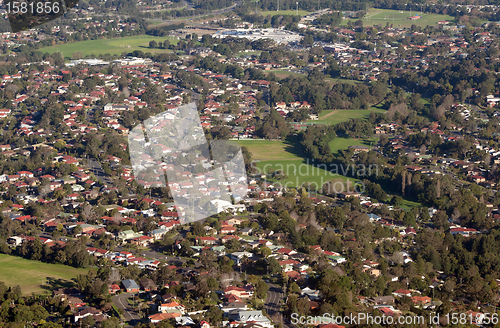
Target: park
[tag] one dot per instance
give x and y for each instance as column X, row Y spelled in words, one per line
column 34, row 276
column 112, row 47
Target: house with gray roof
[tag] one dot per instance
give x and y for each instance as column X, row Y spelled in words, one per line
column 130, row 285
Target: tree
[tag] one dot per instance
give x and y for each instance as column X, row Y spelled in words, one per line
column 307, row 40
column 294, row 288
column 153, row 44
column 112, row 322
column 88, row 321
column 261, row 289
column 274, row 266
column 214, row 315
column 265, row 251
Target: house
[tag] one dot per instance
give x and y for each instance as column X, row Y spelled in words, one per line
column 172, row 307
column 86, row 312
column 127, row 235
column 237, row 257
column 371, row 271
column 157, row 233
column 113, row 288
column 421, row 300
column 401, row 293
column 381, row 300
column 227, row 230
column 4, row 113
column 155, row 318
column 250, row 316
column 237, row 291
column 227, row 238
column 312, row 294
column 235, row 221
column 287, row 265
column 286, row 251
column 130, row 286
column 147, row 284
column 206, row 240
column 386, row 311
column 463, row 231
column 233, row 306
column 246, row 231
column 219, row 205
column 14, row 241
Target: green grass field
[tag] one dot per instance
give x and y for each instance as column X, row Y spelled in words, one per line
column 400, row 18
column 333, row 81
column 270, row 150
column 34, row 276
column 344, row 143
column 108, row 46
column 284, row 12
column 331, row 117
column 283, row 73
column 408, row 204
column 298, row 172
column 274, row 155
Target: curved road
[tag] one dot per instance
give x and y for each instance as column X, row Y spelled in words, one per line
column 129, row 314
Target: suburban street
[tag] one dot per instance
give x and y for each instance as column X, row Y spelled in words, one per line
column 128, row 313
column 97, row 170
column 275, row 297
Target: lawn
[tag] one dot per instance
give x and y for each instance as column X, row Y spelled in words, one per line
column 276, row 155
column 108, row 46
column 298, row 172
column 344, row 143
column 408, row 204
column 283, row 73
column 333, row 81
column 270, row 150
column 244, row 53
column 34, row 276
column 336, row 116
column 400, row 18
column 284, row 12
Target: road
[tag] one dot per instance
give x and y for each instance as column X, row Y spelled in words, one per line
column 185, row 19
column 97, row 170
column 275, row 297
column 154, row 254
column 129, row 314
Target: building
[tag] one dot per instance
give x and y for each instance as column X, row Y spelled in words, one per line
column 251, row 316
column 130, row 286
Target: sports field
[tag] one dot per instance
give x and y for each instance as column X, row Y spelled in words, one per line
column 34, row 276
column 283, row 73
column 401, row 18
column 341, row 115
column 284, row 12
column 298, row 172
column 270, row 150
column 276, row 155
column 108, row 46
